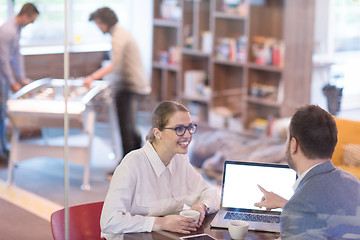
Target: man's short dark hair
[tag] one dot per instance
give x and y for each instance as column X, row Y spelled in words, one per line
column 106, row 15
column 28, row 9
column 315, row 130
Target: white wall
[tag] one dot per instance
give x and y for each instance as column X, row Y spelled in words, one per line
column 141, row 27
column 321, row 58
column 322, row 31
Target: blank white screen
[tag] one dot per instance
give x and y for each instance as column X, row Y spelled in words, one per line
column 240, row 184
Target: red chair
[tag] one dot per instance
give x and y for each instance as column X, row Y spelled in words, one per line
column 84, row 222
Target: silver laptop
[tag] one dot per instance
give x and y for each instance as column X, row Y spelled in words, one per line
column 240, row 192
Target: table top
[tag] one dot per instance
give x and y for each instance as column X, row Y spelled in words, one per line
column 219, row 234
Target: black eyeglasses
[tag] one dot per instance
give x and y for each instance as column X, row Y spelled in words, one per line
column 181, row 129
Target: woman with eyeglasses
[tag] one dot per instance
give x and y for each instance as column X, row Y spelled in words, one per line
column 152, row 184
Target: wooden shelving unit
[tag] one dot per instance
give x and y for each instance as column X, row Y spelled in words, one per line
column 195, row 52
column 228, row 62
column 234, row 80
column 166, row 66
column 219, row 14
column 166, row 23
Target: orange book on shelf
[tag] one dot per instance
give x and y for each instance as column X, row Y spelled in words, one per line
column 232, row 49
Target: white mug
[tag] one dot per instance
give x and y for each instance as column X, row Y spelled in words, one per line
column 191, row 214
column 238, row 229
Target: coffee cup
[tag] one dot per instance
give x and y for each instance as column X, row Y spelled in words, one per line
column 191, row 214
column 238, row 229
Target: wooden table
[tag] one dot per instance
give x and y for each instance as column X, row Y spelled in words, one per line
column 205, row 228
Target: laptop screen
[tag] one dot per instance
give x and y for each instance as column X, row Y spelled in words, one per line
column 240, row 182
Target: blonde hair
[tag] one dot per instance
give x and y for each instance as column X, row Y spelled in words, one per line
column 161, row 116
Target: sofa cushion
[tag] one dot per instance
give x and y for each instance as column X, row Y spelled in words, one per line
column 348, row 133
column 352, row 155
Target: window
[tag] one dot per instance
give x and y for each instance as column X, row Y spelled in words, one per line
column 345, row 37
column 346, row 29
column 49, row 28
column 3, row 12
column 87, row 32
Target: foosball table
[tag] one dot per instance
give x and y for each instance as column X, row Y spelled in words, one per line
column 41, row 104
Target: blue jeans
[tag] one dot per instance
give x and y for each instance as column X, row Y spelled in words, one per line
column 4, row 93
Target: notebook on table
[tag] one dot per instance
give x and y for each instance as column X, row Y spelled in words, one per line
column 240, row 192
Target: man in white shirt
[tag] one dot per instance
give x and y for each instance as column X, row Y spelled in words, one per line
column 326, row 200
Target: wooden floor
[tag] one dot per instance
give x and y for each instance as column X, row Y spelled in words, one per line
column 18, row 223
column 38, row 190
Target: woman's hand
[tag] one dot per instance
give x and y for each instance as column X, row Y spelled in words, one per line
column 201, row 208
column 175, row 223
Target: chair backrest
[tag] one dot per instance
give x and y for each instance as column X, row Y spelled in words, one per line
column 84, row 222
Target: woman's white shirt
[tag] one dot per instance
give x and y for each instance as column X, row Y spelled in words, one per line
column 143, row 188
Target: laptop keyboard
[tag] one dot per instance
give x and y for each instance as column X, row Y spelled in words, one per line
column 252, row 217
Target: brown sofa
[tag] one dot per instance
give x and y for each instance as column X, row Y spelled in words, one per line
column 348, row 133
